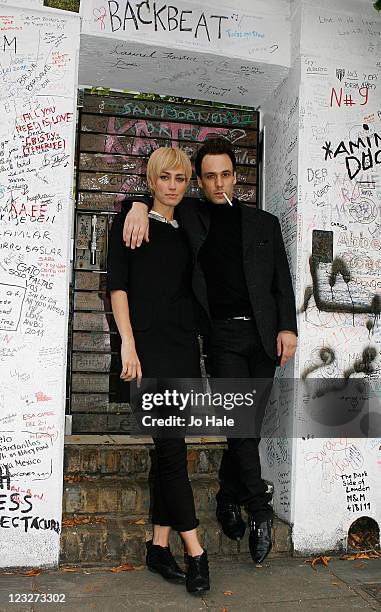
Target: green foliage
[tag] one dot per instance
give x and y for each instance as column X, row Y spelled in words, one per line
column 65, row 5
column 377, row 5
column 100, row 91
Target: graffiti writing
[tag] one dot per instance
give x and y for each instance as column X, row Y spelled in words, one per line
column 356, row 489
column 337, row 97
column 8, row 44
column 126, row 15
column 369, row 146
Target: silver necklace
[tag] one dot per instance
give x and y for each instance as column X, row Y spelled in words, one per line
column 155, row 215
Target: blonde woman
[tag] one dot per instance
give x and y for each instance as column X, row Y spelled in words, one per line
column 153, row 308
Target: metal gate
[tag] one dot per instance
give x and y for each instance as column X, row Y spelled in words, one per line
column 116, row 135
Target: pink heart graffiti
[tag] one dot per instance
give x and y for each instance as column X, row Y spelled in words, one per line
column 100, row 15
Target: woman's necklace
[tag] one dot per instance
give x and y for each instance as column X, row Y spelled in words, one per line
column 155, row 215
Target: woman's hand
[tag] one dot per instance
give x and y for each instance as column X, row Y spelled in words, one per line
column 131, row 367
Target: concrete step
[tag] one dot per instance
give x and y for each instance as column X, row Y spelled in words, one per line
column 112, row 540
column 93, row 422
column 120, row 460
column 106, row 502
column 128, row 496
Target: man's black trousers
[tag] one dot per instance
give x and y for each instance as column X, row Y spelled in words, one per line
column 235, row 350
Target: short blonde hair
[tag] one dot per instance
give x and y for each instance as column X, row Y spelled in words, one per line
column 167, row 158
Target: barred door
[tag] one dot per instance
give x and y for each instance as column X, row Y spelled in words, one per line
column 116, row 135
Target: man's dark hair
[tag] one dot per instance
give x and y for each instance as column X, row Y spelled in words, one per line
column 214, row 146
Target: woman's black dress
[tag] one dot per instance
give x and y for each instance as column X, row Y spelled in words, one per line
column 157, row 279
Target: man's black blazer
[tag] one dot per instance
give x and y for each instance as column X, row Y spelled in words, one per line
column 264, row 261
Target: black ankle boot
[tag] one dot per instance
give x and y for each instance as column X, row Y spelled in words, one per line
column 260, row 538
column 230, row 518
column 198, row 573
column 160, row 560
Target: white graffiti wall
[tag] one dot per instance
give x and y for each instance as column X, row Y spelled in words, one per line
column 38, row 77
column 336, row 476
column 340, row 290
column 281, row 119
column 23, row 3
column 225, row 52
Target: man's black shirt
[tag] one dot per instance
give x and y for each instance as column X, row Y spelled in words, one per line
column 262, row 256
column 222, row 265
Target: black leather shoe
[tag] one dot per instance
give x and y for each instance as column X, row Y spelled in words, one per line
column 161, row 561
column 231, row 521
column 260, row 542
column 198, row 573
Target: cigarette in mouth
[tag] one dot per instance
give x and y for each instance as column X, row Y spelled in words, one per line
column 227, row 199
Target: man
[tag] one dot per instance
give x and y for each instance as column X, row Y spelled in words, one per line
column 242, row 283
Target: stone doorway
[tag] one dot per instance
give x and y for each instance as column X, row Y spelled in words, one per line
column 116, row 134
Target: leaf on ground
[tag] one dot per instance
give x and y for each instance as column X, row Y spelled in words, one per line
column 69, row 569
column 365, row 535
column 228, row 592
column 355, row 537
column 325, row 560
column 373, row 554
column 140, row 521
column 317, row 560
column 32, row 572
column 125, row 567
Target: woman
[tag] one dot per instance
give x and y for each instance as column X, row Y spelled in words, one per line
column 152, row 305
